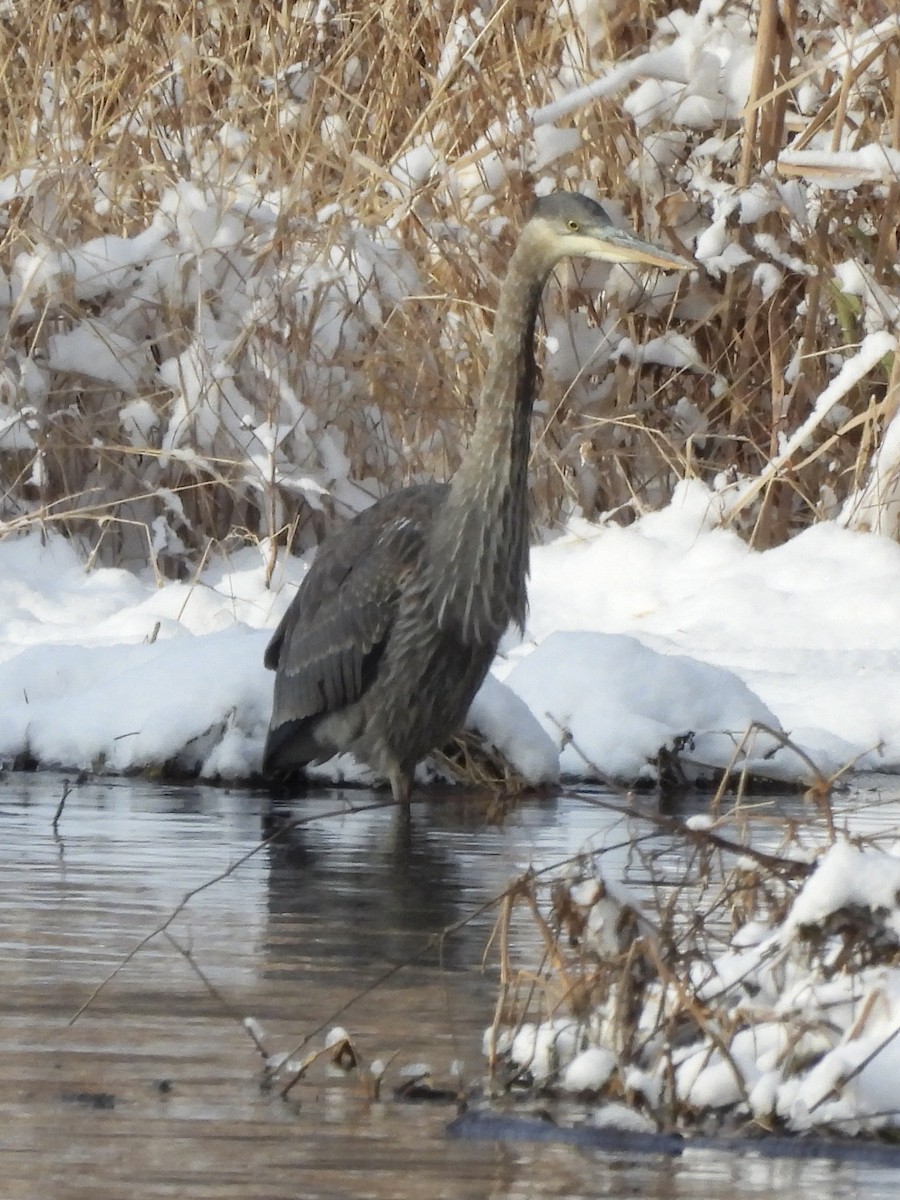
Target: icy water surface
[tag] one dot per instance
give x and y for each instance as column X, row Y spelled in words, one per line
column 154, row 1091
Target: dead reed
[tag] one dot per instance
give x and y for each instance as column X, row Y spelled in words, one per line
column 301, row 301
column 694, row 982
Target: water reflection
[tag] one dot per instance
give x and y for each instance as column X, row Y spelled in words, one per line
column 384, row 886
column 378, row 896
column 300, row 929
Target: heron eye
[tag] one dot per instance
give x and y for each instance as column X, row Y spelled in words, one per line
column 572, row 225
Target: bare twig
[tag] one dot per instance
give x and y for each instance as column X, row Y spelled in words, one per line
column 67, row 788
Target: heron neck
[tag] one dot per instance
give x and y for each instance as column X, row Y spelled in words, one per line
column 485, row 525
column 497, row 455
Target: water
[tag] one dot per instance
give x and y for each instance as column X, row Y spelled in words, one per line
column 155, row 1091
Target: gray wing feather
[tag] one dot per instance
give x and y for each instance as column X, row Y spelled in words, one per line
column 337, row 623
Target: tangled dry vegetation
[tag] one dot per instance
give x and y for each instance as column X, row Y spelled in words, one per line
column 722, row 984
column 249, row 253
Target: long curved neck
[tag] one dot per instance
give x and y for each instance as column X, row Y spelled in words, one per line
column 497, row 454
column 483, row 527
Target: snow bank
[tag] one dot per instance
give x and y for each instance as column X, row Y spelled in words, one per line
column 669, row 635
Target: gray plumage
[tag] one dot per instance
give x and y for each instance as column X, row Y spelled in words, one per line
column 397, row 621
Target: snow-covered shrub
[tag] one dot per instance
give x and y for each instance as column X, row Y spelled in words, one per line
column 766, row 990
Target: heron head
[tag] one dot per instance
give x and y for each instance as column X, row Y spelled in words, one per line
column 569, row 225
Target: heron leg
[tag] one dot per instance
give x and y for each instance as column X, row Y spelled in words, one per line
column 401, row 785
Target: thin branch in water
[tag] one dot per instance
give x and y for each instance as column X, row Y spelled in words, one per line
column 249, row 1025
column 202, row 887
column 67, row 788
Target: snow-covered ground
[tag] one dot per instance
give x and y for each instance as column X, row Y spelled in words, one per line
column 669, row 632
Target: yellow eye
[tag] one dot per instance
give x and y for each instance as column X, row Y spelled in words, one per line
column 572, row 225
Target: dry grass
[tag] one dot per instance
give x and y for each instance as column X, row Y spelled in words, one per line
column 323, row 115
column 654, row 960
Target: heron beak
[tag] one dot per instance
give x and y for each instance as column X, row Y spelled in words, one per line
column 623, row 246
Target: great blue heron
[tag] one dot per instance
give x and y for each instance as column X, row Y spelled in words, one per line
column 393, row 629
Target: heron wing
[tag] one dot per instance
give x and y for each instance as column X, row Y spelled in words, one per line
column 330, row 639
